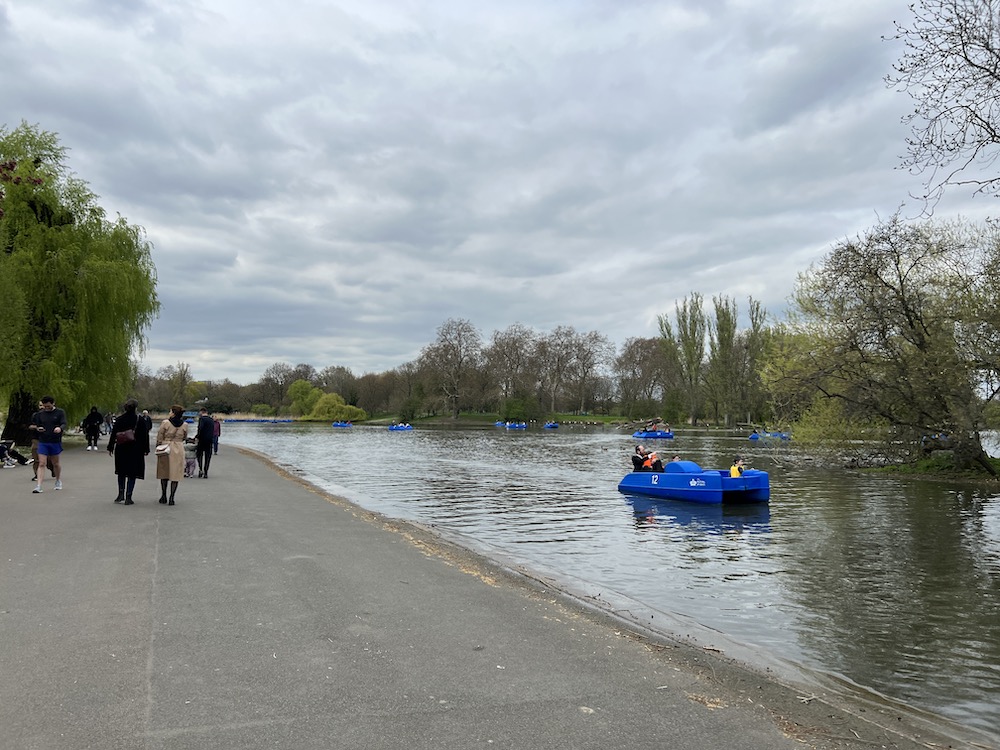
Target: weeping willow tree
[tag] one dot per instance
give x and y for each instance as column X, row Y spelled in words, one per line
column 79, row 289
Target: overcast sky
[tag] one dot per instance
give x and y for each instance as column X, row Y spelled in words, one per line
column 328, row 181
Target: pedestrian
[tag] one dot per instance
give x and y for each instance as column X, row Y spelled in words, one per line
column 148, row 420
column 170, row 452
column 129, row 444
column 49, row 424
column 204, row 435
column 216, row 431
column 34, row 453
column 92, row 428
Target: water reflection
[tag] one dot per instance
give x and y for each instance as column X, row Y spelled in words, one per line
column 893, row 583
column 721, row 518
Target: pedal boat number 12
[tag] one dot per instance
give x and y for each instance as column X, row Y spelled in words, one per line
column 686, row 480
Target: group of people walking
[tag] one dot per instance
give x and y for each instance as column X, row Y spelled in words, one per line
column 129, row 444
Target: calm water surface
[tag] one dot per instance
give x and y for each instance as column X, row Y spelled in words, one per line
column 891, row 583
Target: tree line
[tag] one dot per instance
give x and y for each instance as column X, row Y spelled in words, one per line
column 519, row 373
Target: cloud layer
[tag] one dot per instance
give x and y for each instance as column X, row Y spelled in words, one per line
column 327, row 182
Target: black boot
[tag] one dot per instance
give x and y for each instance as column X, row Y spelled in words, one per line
column 128, row 500
column 171, row 502
column 120, row 498
column 163, row 500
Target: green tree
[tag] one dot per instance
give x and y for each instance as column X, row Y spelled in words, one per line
column 331, row 407
column 903, row 326
column 304, row 396
column 79, row 289
column 687, row 346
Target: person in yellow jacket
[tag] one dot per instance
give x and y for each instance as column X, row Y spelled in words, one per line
column 736, row 470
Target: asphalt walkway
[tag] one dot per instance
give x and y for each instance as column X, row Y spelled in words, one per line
column 261, row 613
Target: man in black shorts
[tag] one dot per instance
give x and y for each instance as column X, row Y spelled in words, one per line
column 204, row 436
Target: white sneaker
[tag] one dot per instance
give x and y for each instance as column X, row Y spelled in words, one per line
column 37, row 490
column 58, row 485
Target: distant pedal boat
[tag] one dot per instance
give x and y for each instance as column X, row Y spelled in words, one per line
column 653, row 434
column 686, row 480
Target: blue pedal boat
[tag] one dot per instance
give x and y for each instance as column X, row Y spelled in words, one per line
column 342, row 424
column 686, row 480
column 653, row 434
column 400, row 427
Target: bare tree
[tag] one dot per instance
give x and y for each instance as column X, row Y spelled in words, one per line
column 593, row 353
column 453, row 358
column 639, row 373
column 555, row 353
column 951, row 69
column 509, row 358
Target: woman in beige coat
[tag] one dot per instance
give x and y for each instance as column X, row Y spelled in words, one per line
column 170, row 466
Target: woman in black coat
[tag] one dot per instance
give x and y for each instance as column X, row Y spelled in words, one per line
column 130, row 455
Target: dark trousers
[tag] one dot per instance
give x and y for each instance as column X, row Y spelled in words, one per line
column 204, row 455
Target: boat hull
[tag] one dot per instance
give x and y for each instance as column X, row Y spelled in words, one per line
column 685, row 480
column 653, row 435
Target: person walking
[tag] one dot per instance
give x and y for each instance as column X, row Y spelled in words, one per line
column 216, row 432
column 204, row 436
column 129, row 451
column 170, row 460
column 48, row 425
column 92, row 427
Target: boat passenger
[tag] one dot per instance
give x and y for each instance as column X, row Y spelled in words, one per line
column 638, row 458
column 736, row 470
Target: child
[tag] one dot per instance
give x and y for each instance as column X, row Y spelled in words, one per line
column 190, row 458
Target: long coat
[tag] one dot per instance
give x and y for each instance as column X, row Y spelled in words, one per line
column 130, row 458
column 171, row 466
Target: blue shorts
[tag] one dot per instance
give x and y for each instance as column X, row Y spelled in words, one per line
column 49, row 449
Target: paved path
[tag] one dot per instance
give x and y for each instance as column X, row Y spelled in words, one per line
column 260, row 613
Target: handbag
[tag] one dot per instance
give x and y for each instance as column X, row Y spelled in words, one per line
column 163, row 450
column 125, row 436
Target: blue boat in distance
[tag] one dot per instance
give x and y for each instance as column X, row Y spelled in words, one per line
column 551, row 425
column 342, row 424
column 686, row 480
column 400, row 427
column 653, row 434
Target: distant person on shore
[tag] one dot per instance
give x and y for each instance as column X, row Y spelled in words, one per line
column 92, row 427
column 109, row 423
column 216, row 432
column 49, row 424
column 148, row 420
column 170, row 461
column 204, row 436
column 130, row 455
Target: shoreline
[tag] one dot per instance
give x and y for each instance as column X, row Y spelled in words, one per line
column 807, row 704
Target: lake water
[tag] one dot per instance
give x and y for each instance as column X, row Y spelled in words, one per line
column 888, row 584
